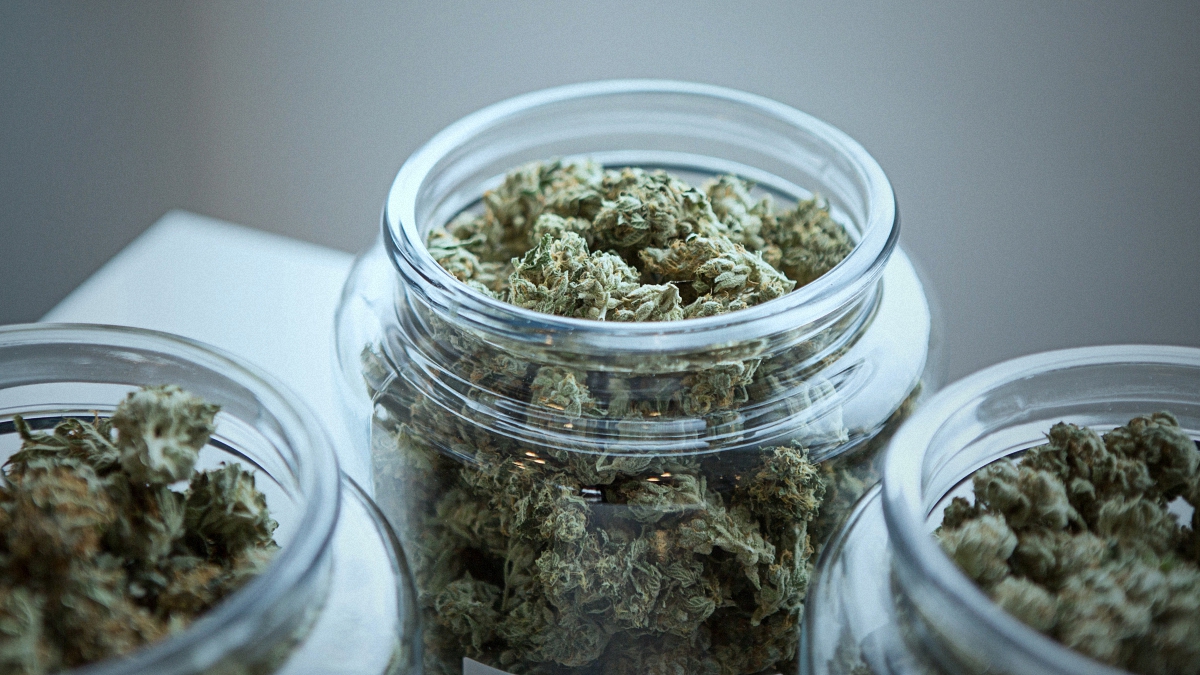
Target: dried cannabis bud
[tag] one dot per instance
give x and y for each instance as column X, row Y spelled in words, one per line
column 575, row 239
column 564, row 521
column 1078, row 540
column 100, row 556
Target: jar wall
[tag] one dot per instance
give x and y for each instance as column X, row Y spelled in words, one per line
column 585, row 497
column 887, row 599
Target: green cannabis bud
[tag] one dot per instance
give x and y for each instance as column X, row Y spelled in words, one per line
column 1077, row 539
column 100, row 554
column 616, row 518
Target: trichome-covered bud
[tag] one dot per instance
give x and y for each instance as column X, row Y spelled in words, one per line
column 806, row 242
column 981, row 547
column 724, row 276
column 560, row 276
column 160, row 431
column 649, row 208
column 225, row 514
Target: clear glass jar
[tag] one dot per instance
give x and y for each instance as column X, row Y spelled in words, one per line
column 518, row 453
column 887, row 599
column 304, row 613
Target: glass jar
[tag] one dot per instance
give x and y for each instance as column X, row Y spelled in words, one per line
column 336, row 598
column 582, row 496
column 887, row 599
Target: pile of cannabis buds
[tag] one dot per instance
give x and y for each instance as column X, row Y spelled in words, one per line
column 1077, row 540
column 545, row 560
column 574, row 239
column 99, row 555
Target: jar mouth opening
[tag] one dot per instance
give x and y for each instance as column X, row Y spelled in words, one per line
column 303, row 447
column 423, row 177
column 928, row 442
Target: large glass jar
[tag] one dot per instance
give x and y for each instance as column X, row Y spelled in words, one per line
column 588, row 497
column 887, row 599
column 337, row 598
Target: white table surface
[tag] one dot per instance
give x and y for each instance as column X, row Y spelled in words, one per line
column 266, row 298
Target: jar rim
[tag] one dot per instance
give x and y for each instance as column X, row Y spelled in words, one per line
column 232, row 622
column 905, row 504
column 808, row 304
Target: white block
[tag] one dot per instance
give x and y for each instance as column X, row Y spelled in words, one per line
column 266, row 298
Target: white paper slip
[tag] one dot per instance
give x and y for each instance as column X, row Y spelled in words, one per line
column 471, row 667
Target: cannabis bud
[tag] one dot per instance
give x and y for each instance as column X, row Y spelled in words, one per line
column 100, row 555
column 1077, row 538
column 162, row 431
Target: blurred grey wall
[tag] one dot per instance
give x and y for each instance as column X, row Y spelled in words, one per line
column 95, row 140
column 1046, row 155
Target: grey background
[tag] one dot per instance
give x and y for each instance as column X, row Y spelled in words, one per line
column 1046, row 155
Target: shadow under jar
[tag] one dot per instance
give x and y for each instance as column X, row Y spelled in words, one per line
column 336, row 597
column 886, row 598
column 582, row 496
